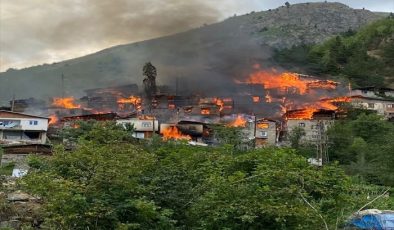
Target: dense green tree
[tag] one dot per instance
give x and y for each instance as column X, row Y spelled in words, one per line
column 363, row 144
column 109, row 183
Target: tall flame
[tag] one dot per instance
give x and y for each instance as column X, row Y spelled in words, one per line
column 53, row 119
column 173, row 132
column 66, row 102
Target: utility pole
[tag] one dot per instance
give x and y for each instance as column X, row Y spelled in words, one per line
column 321, row 145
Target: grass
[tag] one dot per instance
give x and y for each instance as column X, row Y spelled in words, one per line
column 6, row 169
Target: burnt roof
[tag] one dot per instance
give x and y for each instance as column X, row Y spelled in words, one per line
column 97, row 116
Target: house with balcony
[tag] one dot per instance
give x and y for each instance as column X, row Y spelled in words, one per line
column 380, row 100
column 20, row 128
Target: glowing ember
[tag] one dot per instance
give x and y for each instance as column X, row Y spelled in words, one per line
column 67, row 103
column 146, row 117
column 256, row 99
column 219, row 102
column 302, row 114
column 322, row 84
column 338, row 99
column 53, row 119
column 205, row 111
column 268, row 98
column 238, row 122
column 287, row 82
column 174, row 133
column 263, row 125
column 130, row 100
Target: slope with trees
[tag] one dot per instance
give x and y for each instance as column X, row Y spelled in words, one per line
column 108, row 182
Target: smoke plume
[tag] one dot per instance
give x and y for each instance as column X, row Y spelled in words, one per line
column 33, row 32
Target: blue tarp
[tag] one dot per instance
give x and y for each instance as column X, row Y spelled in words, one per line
column 374, row 220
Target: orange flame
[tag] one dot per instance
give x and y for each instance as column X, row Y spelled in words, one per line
column 256, row 99
column 219, row 102
column 308, row 112
column 130, row 100
column 302, row 114
column 287, row 82
column 67, row 103
column 205, row 111
column 238, row 122
column 53, row 119
column 173, row 132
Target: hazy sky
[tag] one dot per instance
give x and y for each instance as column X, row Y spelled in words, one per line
column 33, row 32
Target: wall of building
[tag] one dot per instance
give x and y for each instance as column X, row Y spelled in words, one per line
column 311, row 128
column 23, row 130
column 384, row 108
column 38, row 124
column 265, row 133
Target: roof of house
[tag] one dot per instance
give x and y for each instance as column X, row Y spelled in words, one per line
column 373, row 98
column 10, row 114
column 373, row 88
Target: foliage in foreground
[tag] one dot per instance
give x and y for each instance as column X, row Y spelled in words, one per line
column 364, row 146
column 174, row 186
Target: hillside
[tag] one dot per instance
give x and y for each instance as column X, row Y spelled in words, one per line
column 365, row 58
column 214, row 53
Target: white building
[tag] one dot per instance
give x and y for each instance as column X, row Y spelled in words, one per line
column 143, row 128
column 380, row 100
column 19, row 128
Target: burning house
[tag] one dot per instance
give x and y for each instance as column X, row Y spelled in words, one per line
column 315, row 125
column 19, row 128
column 113, row 99
column 267, row 133
column 197, row 132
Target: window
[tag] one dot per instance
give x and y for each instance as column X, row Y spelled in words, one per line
column 263, row 125
column 390, row 106
column 33, row 122
column 263, row 134
column 371, row 105
column 301, row 124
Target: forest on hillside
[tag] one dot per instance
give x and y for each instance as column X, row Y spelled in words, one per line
column 365, row 57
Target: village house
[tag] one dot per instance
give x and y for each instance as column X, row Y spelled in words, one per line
column 266, row 133
column 380, row 100
column 315, row 127
column 144, row 127
column 19, row 128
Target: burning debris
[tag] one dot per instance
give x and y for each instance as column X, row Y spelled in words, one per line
column 67, row 103
column 239, row 121
column 174, row 133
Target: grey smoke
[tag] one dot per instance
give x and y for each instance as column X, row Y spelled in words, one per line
column 45, row 30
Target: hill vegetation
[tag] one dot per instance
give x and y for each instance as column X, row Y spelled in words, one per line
column 365, row 58
column 110, row 181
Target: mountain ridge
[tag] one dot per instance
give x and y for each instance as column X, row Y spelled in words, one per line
column 214, row 53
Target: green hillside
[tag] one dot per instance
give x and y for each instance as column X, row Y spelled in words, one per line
column 365, row 57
